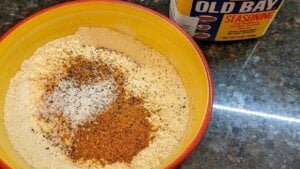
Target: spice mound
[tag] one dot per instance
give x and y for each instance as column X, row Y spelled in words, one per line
column 88, row 114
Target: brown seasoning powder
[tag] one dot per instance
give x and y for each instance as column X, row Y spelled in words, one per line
column 116, row 135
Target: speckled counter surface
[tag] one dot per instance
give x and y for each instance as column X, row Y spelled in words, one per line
column 256, row 116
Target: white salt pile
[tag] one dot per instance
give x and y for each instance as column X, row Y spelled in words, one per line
column 78, row 103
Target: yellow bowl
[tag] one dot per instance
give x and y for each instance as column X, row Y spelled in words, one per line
column 146, row 25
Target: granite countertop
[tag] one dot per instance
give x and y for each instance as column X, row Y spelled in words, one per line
column 256, row 116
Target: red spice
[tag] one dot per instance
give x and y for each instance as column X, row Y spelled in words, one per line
column 83, row 71
column 116, row 135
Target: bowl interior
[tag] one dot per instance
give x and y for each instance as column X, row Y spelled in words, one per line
column 146, row 26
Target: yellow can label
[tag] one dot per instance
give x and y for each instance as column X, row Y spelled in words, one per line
column 224, row 20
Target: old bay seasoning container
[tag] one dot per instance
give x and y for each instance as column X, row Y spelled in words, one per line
column 224, row 20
